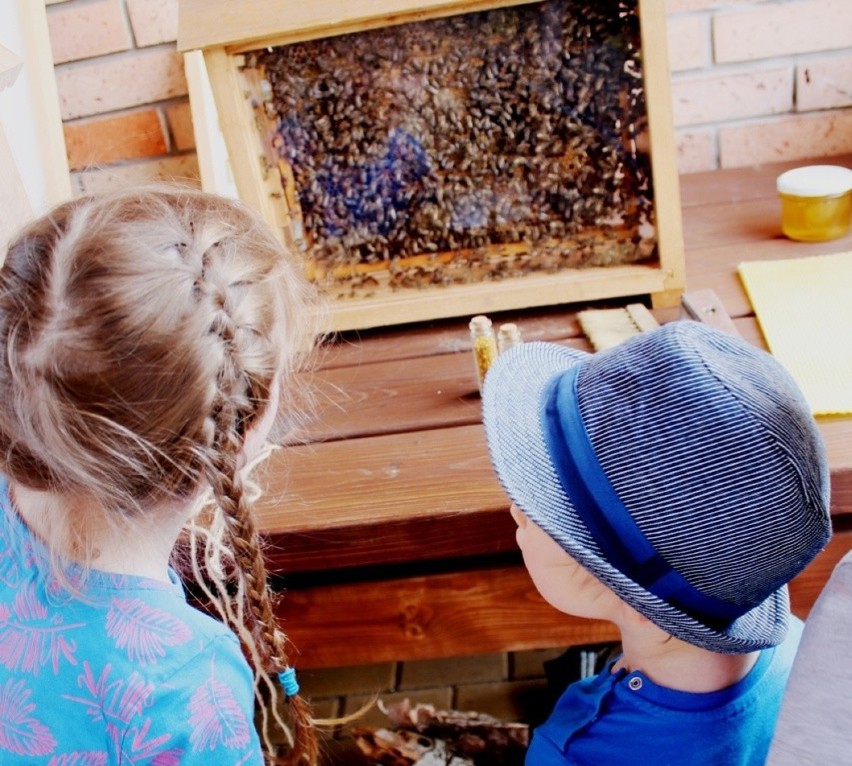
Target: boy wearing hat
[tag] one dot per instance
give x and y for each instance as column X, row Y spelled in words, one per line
column 672, row 485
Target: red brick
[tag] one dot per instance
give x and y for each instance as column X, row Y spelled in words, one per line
column 782, row 29
column 85, row 31
column 179, row 117
column 788, row 138
column 153, row 21
column 124, row 137
column 120, row 82
column 824, row 83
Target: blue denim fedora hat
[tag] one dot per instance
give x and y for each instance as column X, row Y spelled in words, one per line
column 682, row 468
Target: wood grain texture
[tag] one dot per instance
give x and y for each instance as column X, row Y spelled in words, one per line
column 252, row 24
column 449, row 615
column 380, row 479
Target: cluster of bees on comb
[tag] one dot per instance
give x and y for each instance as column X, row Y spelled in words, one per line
column 479, row 146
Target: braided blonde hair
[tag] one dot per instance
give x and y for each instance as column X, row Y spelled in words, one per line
column 145, row 333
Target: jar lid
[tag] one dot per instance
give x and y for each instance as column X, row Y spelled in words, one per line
column 815, row 181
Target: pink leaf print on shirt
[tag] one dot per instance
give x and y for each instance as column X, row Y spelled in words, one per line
column 77, row 758
column 143, row 631
column 117, row 700
column 20, row 733
column 136, row 748
column 10, row 574
column 32, row 637
column 216, row 716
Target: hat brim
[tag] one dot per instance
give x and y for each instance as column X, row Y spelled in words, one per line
column 512, row 396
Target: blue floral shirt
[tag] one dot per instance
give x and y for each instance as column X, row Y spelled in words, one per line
column 126, row 672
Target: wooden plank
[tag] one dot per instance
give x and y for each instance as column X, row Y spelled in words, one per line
column 334, row 553
column 805, row 588
column 245, row 155
column 377, row 499
column 738, row 185
column 447, row 336
column 216, row 175
column 381, row 479
column 253, row 24
column 385, row 397
column 448, row 615
column 652, row 16
column 451, row 615
column 396, row 396
column 567, row 286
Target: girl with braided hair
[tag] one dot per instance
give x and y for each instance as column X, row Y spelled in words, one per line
column 148, row 343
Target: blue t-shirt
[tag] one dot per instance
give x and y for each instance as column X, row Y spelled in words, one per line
column 625, row 718
column 125, row 673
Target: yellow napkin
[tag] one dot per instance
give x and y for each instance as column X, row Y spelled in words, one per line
column 804, row 307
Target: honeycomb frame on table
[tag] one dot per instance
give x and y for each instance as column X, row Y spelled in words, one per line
column 447, row 158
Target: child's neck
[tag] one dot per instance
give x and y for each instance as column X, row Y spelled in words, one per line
column 140, row 548
column 675, row 664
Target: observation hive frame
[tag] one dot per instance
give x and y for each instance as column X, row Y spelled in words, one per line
column 436, row 158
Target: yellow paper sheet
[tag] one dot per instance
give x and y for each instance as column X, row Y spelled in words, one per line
column 804, row 307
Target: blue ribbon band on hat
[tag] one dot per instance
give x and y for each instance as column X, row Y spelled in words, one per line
column 608, row 520
column 289, row 682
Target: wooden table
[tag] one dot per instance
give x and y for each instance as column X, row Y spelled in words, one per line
column 387, row 528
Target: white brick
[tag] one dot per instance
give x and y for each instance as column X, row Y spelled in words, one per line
column 701, row 100
column 153, row 21
column 696, row 151
column 681, row 6
column 788, row 138
column 119, row 82
column 782, row 29
column 824, row 83
column 85, row 31
column 689, row 43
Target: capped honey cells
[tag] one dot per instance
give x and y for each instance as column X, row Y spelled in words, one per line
column 469, row 148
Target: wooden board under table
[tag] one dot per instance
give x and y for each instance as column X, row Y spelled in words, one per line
column 388, row 529
column 467, row 612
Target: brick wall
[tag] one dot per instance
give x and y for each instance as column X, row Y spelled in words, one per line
column 756, row 81
column 752, row 81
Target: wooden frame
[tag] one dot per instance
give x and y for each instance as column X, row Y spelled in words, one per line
column 227, row 33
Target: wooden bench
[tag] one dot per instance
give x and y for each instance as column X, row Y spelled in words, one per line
column 387, row 529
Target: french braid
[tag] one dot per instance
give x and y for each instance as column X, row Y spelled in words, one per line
column 243, row 598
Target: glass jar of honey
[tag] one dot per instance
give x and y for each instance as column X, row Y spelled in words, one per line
column 816, row 202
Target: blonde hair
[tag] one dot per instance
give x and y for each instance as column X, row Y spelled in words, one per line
column 143, row 332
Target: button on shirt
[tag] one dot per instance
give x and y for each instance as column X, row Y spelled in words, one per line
column 625, row 718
